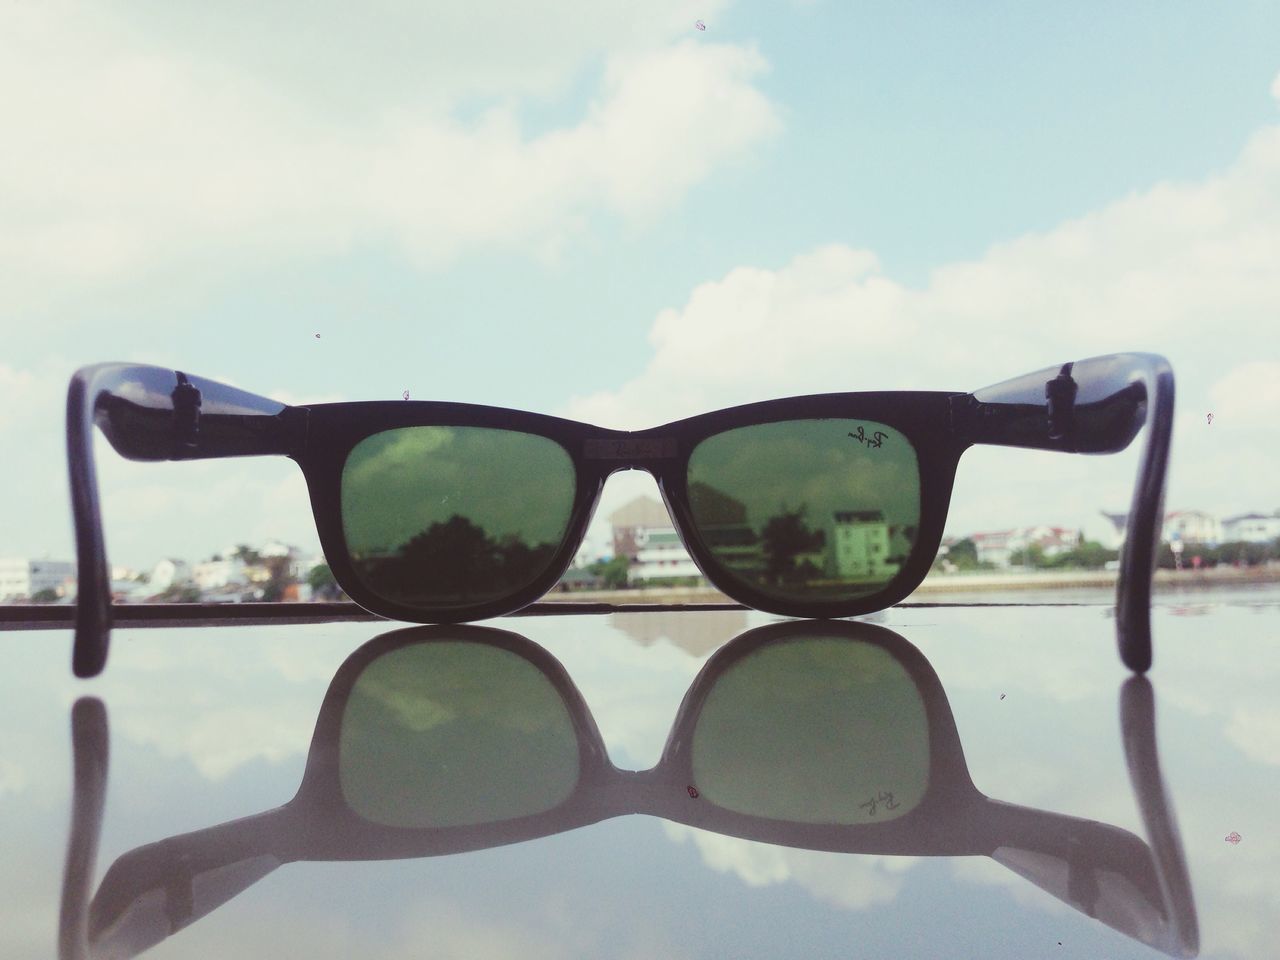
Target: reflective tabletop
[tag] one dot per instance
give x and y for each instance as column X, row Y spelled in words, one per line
column 941, row 781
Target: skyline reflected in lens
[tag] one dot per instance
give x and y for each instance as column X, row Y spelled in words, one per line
column 808, row 509
column 435, row 516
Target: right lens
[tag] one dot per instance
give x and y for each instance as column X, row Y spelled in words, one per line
column 824, row 730
column 808, row 510
column 452, row 733
column 450, row 516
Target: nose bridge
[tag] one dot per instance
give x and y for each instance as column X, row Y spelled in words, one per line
column 631, row 452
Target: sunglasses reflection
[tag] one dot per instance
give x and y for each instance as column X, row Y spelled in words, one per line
column 821, row 735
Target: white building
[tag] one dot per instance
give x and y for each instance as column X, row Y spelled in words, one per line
column 215, row 574
column 22, row 579
column 1251, row 528
column 998, row 547
column 167, row 573
column 1192, row 526
column 660, row 555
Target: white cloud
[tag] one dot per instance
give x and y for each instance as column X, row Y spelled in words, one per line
column 852, row 883
column 1182, row 269
column 139, row 153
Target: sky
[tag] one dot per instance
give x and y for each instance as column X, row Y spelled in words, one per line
column 605, row 213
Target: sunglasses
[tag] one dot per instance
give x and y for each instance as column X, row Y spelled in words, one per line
column 815, row 735
column 819, row 507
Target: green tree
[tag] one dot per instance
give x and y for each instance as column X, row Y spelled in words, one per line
column 784, row 537
column 613, row 572
column 47, row 595
column 323, row 585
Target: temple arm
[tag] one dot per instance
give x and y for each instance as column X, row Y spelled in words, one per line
column 1094, row 406
column 151, row 413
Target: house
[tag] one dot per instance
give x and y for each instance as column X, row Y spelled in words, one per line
column 1192, row 526
column 22, row 579
column 660, row 555
column 1251, row 528
column 168, row 573
column 998, row 547
column 642, row 513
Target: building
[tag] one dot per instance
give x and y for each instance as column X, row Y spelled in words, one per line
column 642, row 513
column 660, row 555
column 22, row 579
column 862, row 546
column 999, row 547
column 1251, row 528
column 994, row 547
column 168, row 573
column 217, row 574
column 1192, row 526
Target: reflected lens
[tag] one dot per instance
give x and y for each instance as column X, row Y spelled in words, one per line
column 814, row 730
column 449, row 733
column 448, row 516
column 808, row 509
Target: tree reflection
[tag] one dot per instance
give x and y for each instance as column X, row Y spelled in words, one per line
column 788, row 547
column 456, row 560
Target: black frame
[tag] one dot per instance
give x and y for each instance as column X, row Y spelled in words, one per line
column 1089, row 406
column 953, row 818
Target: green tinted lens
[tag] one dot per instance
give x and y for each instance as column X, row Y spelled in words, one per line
column 450, row 733
column 808, row 509
column 442, row 516
column 814, row 730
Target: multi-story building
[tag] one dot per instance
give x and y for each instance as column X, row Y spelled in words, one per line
column 660, row 555
column 22, row 579
column 862, row 546
column 1192, row 526
column 642, row 513
column 1251, row 528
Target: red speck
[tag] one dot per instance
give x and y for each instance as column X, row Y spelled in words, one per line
column 693, row 792
column 1233, row 838
column 699, row 24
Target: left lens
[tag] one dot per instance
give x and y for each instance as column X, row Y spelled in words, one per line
column 815, row 730
column 451, row 516
column 807, row 510
column 450, row 733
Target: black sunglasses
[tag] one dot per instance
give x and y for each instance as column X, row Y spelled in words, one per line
column 821, row 506
column 815, row 735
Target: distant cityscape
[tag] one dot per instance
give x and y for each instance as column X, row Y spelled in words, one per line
column 646, row 551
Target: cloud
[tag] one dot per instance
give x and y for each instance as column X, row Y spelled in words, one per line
column 141, row 155
column 1248, row 397
column 852, row 883
column 1185, row 269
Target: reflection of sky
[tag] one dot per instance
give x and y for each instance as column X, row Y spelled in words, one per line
column 398, row 483
column 776, row 467
column 212, row 724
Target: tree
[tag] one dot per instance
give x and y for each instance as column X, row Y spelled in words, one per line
column 47, row 595
column 964, row 554
column 613, row 572
column 785, row 537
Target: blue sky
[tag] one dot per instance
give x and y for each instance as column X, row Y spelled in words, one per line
column 610, row 215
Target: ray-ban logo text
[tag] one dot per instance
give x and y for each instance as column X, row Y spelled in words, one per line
column 874, row 440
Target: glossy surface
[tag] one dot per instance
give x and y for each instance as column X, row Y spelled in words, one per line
column 208, row 726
